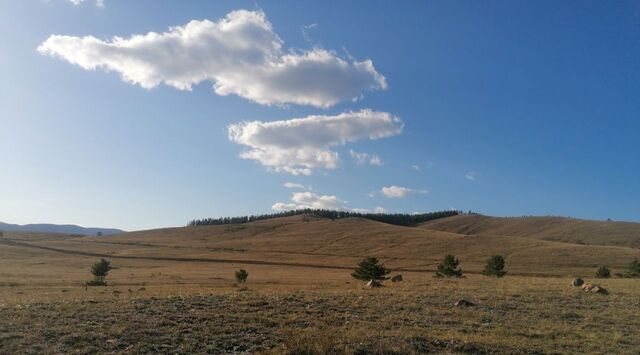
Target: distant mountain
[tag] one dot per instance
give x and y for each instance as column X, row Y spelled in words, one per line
column 58, row 228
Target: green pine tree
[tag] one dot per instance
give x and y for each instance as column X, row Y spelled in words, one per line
column 449, row 267
column 495, row 266
column 241, row 276
column 100, row 270
column 370, row 269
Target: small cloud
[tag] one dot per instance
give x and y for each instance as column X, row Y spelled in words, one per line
column 473, row 175
column 304, row 200
column 399, row 192
column 291, row 185
column 306, row 31
column 379, row 210
column 99, row 3
column 415, row 167
column 365, row 158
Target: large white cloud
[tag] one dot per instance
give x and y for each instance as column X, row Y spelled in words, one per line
column 394, row 191
column 300, row 145
column 241, row 54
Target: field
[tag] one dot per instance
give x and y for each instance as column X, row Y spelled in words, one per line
column 173, row 291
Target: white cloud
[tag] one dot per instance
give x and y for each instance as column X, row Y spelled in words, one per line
column 394, row 191
column 473, row 175
column 303, row 200
column 291, row 185
column 298, row 146
column 306, row 30
column 310, row 200
column 379, row 210
column 427, row 165
column 365, row 158
column 99, row 3
column 241, row 54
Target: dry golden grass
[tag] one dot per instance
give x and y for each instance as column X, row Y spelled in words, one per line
column 626, row 234
column 173, row 291
column 512, row 315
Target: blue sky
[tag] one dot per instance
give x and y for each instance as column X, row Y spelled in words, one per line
column 505, row 108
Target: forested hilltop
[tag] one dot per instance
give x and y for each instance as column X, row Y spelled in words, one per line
column 399, row 219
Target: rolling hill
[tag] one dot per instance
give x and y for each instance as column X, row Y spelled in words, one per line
column 557, row 229
column 302, row 241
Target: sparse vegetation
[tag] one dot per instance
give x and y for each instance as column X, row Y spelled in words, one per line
column 370, row 269
column 634, row 268
column 241, row 276
column 495, row 266
column 449, row 267
column 603, row 272
column 100, row 270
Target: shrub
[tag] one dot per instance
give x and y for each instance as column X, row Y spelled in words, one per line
column 495, row 266
column 603, row 272
column 370, row 269
column 100, row 270
column 242, row 275
column 634, row 267
column 449, row 267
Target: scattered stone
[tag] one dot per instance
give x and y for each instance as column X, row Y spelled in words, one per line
column 464, row 303
column 594, row 289
column 116, row 292
column 577, row 282
column 374, row 283
column 396, row 278
column 142, row 289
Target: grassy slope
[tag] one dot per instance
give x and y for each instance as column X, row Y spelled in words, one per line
column 560, row 229
column 314, row 241
column 163, row 305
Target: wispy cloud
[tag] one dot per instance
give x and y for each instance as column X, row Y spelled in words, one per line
column 473, row 175
column 241, row 54
column 365, row 158
column 299, row 146
column 291, row 185
column 306, row 31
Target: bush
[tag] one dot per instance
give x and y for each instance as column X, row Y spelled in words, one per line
column 495, row 266
column 603, row 272
column 242, row 275
column 449, row 267
column 634, row 267
column 370, row 269
column 100, row 270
